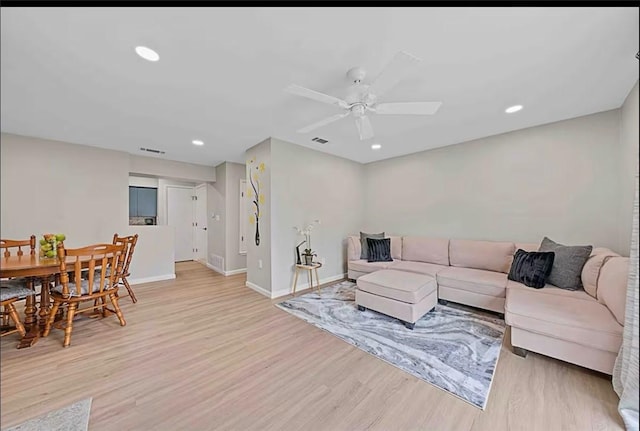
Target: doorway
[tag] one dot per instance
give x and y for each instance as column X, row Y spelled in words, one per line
column 180, row 215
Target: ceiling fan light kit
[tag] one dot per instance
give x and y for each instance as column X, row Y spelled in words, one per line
column 362, row 99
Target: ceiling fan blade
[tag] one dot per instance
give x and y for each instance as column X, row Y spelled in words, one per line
column 364, row 128
column 397, row 68
column 314, row 95
column 408, row 108
column 324, row 122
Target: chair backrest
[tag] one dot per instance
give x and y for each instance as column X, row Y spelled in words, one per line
column 129, row 243
column 8, row 244
column 107, row 257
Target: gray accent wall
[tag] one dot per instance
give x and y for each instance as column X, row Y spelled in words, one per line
column 560, row 180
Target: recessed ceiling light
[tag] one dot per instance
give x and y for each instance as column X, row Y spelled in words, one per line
column 197, row 142
column 376, row 146
column 147, row 53
column 512, row 109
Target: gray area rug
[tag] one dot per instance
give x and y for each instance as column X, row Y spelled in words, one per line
column 74, row 417
column 454, row 349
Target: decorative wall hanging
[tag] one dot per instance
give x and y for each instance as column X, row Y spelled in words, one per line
column 254, row 193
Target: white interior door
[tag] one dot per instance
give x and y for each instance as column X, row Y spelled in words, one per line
column 201, row 236
column 180, row 215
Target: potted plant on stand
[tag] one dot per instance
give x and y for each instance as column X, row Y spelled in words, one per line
column 308, row 254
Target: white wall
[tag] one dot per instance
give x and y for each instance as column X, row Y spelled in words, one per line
column 217, row 205
column 171, row 169
column 81, row 191
column 51, row 186
column 259, row 278
column 143, row 182
column 629, row 165
column 560, row 180
column 307, row 185
column 226, row 204
column 152, row 259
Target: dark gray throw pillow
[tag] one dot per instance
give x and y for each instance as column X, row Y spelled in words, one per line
column 379, row 250
column 364, row 247
column 567, row 264
column 531, row 268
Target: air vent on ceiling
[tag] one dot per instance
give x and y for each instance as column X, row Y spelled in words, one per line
column 319, row 140
column 151, row 150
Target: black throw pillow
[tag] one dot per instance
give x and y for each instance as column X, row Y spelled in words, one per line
column 531, row 268
column 379, row 250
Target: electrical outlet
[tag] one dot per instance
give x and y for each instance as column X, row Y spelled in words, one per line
column 259, row 263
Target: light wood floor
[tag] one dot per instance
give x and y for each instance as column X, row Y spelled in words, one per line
column 203, row 352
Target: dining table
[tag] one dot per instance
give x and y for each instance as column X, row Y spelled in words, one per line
column 34, row 269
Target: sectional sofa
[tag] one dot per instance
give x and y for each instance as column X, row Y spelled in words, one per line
column 583, row 327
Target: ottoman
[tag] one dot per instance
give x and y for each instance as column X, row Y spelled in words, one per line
column 403, row 295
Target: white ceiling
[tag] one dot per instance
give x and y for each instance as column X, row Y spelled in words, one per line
column 71, row 74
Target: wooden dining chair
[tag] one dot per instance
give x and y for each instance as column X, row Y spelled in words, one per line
column 129, row 242
column 12, row 247
column 7, row 244
column 96, row 287
column 9, row 295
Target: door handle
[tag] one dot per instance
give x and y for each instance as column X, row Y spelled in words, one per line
column 204, row 228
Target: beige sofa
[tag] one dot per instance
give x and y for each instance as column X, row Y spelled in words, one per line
column 583, row 327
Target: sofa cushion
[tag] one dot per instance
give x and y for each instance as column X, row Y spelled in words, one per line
column 421, row 249
column 474, row 280
column 489, row 255
column 364, row 266
column 419, row 267
column 550, row 289
column 612, row 286
column 10, row 291
column 364, row 249
column 379, row 250
column 568, row 263
column 401, row 286
column 531, row 268
column 591, row 269
column 585, row 322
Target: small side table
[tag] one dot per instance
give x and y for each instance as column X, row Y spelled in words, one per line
column 311, row 269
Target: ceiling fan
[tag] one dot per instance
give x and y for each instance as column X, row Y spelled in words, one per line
column 362, row 99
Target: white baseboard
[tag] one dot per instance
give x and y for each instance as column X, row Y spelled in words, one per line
column 151, row 279
column 258, row 289
column 303, row 286
column 236, row 271
column 226, row 273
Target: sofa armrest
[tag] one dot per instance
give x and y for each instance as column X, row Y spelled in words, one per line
column 353, row 247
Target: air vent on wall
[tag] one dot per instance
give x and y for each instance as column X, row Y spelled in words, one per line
column 151, row 150
column 319, row 140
